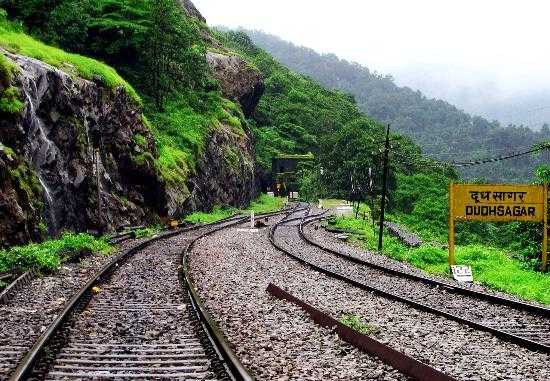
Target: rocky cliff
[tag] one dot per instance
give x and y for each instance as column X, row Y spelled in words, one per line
column 226, row 173
column 72, row 138
column 238, row 80
column 78, row 155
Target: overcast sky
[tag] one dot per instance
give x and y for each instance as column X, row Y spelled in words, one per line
column 504, row 43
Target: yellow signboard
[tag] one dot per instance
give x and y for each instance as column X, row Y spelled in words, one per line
column 485, row 202
column 497, row 202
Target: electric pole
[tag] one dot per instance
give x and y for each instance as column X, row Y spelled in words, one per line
column 384, row 187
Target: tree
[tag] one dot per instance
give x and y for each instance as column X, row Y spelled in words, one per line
column 175, row 53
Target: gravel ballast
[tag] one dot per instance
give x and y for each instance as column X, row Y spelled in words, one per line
column 29, row 312
column 276, row 340
column 328, row 239
column 139, row 324
column 471, row 308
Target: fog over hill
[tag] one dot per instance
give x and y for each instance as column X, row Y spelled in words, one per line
column 443, row 130
column 482, row 93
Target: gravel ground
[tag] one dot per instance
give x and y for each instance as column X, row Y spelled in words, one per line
column 273, row 338
column 34, row 307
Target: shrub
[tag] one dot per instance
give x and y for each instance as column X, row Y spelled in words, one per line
column 49, row 255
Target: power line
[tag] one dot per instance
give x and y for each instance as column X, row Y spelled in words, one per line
column 499, row 158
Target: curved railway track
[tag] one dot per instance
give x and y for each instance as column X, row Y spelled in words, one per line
column 132, row 320
column 518, row 322
column 448, row 286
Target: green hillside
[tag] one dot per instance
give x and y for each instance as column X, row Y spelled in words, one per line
column 183, row 103
column 298, row 115
column 443, row 131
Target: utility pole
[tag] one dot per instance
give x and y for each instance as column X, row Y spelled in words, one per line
column 384, row 188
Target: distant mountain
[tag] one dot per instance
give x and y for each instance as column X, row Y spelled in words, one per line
column 481, row 93
column 442, row 130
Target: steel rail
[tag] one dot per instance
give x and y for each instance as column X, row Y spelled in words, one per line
column 398, row 360
column 26, row 366
column 226, row 354
column 527, row 343
column 543, row 311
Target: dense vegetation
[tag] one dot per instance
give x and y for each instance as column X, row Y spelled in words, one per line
column 161, row 53
column 48, row 256
column 443, row 131
column 298, row 115
column 263, row 204
column 153, row 45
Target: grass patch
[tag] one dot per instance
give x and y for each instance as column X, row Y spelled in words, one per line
column 10, row 101
column 182, row 129
column 491, row 266
column 263, row 204
column 14, row 40
column 49, row 255
column 148, row 231
column 217, row 214
column 267, row 204
column 357, row 324
column 333, row 202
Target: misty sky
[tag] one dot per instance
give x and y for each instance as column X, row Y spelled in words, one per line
column 499, row 47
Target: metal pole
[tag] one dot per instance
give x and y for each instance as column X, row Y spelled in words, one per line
column 451, row 224
column 384, row 188
column 545, row 231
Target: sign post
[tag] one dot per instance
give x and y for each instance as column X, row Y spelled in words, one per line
column 498, row 202
column 545, row 231
column 451, row 227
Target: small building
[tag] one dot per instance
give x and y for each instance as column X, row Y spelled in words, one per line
column 284, row 172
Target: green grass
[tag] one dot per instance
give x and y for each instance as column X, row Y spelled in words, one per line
column 10, row 101
column 263, row 204
column 491, row 266
column 15, row 41
column 333, row 202
column 49, row 255
column 357, row 324
column 266, row 204
column 218, row 213
column 181, row 131
column 148, row 231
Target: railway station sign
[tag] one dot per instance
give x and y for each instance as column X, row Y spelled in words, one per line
column 497, row 202
column 486, row 202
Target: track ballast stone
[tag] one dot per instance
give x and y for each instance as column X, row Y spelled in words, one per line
column 232, row 269
column 520, row 322
column 274, row 339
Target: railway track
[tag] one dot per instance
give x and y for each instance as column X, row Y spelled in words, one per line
column 132, row 320
column 517, row 322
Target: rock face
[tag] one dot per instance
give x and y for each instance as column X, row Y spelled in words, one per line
column 226, row 171
column 73, row 134
column 238, row 80
column 65, row 121
column 190, row 9
column 20, row 201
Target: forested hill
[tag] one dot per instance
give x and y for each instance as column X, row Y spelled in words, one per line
column 443, row 131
